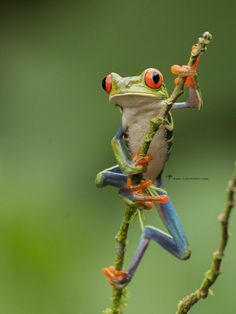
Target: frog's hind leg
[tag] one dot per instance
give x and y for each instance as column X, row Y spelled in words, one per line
column 175, row 243
column 111, row 176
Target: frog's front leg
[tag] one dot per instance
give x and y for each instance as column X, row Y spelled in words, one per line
column 127, row 166
column 175, row 243
column 118, row 175
column 195, row 96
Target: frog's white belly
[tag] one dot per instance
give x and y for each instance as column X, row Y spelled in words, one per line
column 137, row 126
column 158, row 148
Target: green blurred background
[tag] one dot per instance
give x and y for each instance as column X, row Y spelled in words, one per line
column 56, row 229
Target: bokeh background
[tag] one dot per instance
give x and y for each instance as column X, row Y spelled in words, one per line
column 56, row 229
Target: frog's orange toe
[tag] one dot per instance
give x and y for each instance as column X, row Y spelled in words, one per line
column 176, row 81
column 147, row 205
column 139, row 160
column 164, row 199
column 138, row 187
column 194, row 47
column 106, row 271
column 190, row 82
column 176, row 69
column 143, row 199
column 115, row 277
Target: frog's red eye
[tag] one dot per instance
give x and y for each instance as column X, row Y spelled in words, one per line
column 107, row 83
column 153, row 78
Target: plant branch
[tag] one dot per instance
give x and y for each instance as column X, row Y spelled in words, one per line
column 155, row 123
column 121, row 238
column 212, row 274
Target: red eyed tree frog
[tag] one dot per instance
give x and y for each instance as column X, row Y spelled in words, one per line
column 139, row 99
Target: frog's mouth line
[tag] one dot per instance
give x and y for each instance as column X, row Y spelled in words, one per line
column 132, row 94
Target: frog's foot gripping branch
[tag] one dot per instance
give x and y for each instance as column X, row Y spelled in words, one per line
column 117, row 278
column 131, row 194
column 134, row 195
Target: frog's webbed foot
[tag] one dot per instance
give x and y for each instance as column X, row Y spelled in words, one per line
column 186, row 71
column 134, row 195
column 117, row 278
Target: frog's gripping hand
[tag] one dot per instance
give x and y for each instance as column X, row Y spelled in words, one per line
column 191, row 82
column 186, row 71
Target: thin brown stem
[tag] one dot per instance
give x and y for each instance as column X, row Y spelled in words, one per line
column 212, row 274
